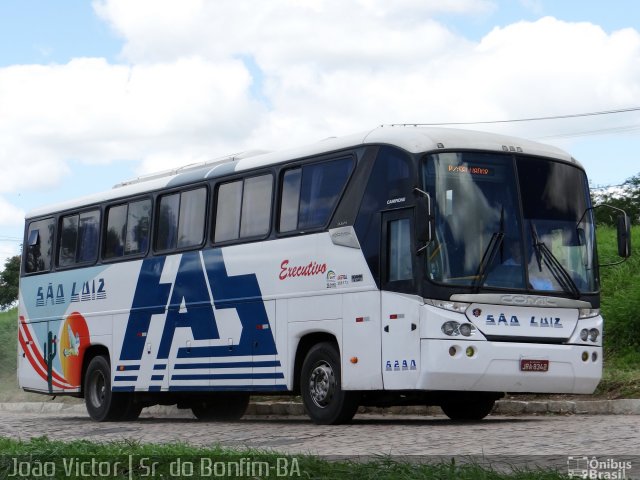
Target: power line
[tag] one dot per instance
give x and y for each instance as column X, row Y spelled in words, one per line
column 589, row 133
column 535, row 119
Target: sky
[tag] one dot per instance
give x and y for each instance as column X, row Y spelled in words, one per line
column 94, row 93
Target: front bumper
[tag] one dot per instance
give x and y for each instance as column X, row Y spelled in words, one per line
column 495, row 367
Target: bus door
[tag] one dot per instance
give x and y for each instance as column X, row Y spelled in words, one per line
column 400, row 309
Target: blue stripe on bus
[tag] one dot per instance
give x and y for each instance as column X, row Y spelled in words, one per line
column 228, row 388
column 187, row 366
column 123, row 389
column 227, row 376
column 157, row 377
column 159, row 367
column 208, row 352
column 125, row 378
column 155, row 388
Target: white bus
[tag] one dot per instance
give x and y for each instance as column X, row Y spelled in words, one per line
column 402, row 266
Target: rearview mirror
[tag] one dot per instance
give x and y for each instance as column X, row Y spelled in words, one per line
column 624, row 236
column 424, row 220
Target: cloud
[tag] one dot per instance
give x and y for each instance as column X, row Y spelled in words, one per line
column 325, row 32
column 333, row 67
column 94, row 112
column 199, row 79
column 10, row 216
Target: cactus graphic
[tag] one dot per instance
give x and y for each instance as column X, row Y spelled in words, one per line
column 49, row 355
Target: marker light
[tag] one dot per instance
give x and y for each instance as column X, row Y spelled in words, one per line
column 354, row 360
column 470, row 351
column 459, row 307
column 584, row 334
column 594, row 333
column 451, row 328
column 585, row 356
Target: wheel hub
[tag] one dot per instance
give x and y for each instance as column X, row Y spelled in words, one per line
column 322, row 384
column 97, row 390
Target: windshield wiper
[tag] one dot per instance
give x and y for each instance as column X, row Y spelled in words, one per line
column 555, row 267
column 489, row 255
column 536, row 245
column 487, row 259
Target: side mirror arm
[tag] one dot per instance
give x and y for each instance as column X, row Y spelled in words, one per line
column 423, row 210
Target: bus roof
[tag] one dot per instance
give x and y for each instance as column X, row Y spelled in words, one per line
column 412, row 138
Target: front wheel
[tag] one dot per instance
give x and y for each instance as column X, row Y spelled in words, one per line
column 320, row 385
column 468, row 411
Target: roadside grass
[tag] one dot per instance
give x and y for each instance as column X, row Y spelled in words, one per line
column 8, row 351
column 227, row 461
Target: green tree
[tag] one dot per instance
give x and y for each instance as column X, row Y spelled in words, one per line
column 9, row 279
column 627, row 198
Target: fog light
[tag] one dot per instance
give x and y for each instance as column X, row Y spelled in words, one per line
column 594, row 356
column 452, row 351
column 584, row 334
column 470, row 351
column 450, row 328
column 594, row 333
column 585, row 356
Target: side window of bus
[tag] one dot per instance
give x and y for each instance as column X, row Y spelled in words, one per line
column 399, row 254
column 79, row 238
column 181, row 218
column 310, row 194
column 39, row 246
column 243, row 208
column 127, row 229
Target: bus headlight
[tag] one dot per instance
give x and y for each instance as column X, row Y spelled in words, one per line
column 594, row 333
column 584, row 334
column 467, row 329
column 451, row 328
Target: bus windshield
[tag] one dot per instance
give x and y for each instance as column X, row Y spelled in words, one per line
column 511, row 222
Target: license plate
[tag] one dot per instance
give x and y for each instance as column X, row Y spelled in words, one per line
column 534, row 365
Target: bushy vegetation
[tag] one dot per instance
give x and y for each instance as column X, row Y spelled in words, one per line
column 620, row 286
column 9, row 278
column 625, row 197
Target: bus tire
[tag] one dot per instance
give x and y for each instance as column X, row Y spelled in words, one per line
column 468, row 411
column 131, row 410
column 320, row 386
column 222, row 406
column 102, row 404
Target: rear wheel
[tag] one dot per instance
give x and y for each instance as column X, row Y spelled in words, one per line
column 320, row 385
column 222, row 406
column 468, row 411
column 103, row 404
column 131, row 410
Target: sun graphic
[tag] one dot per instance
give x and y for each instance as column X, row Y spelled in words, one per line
column 74, row 339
